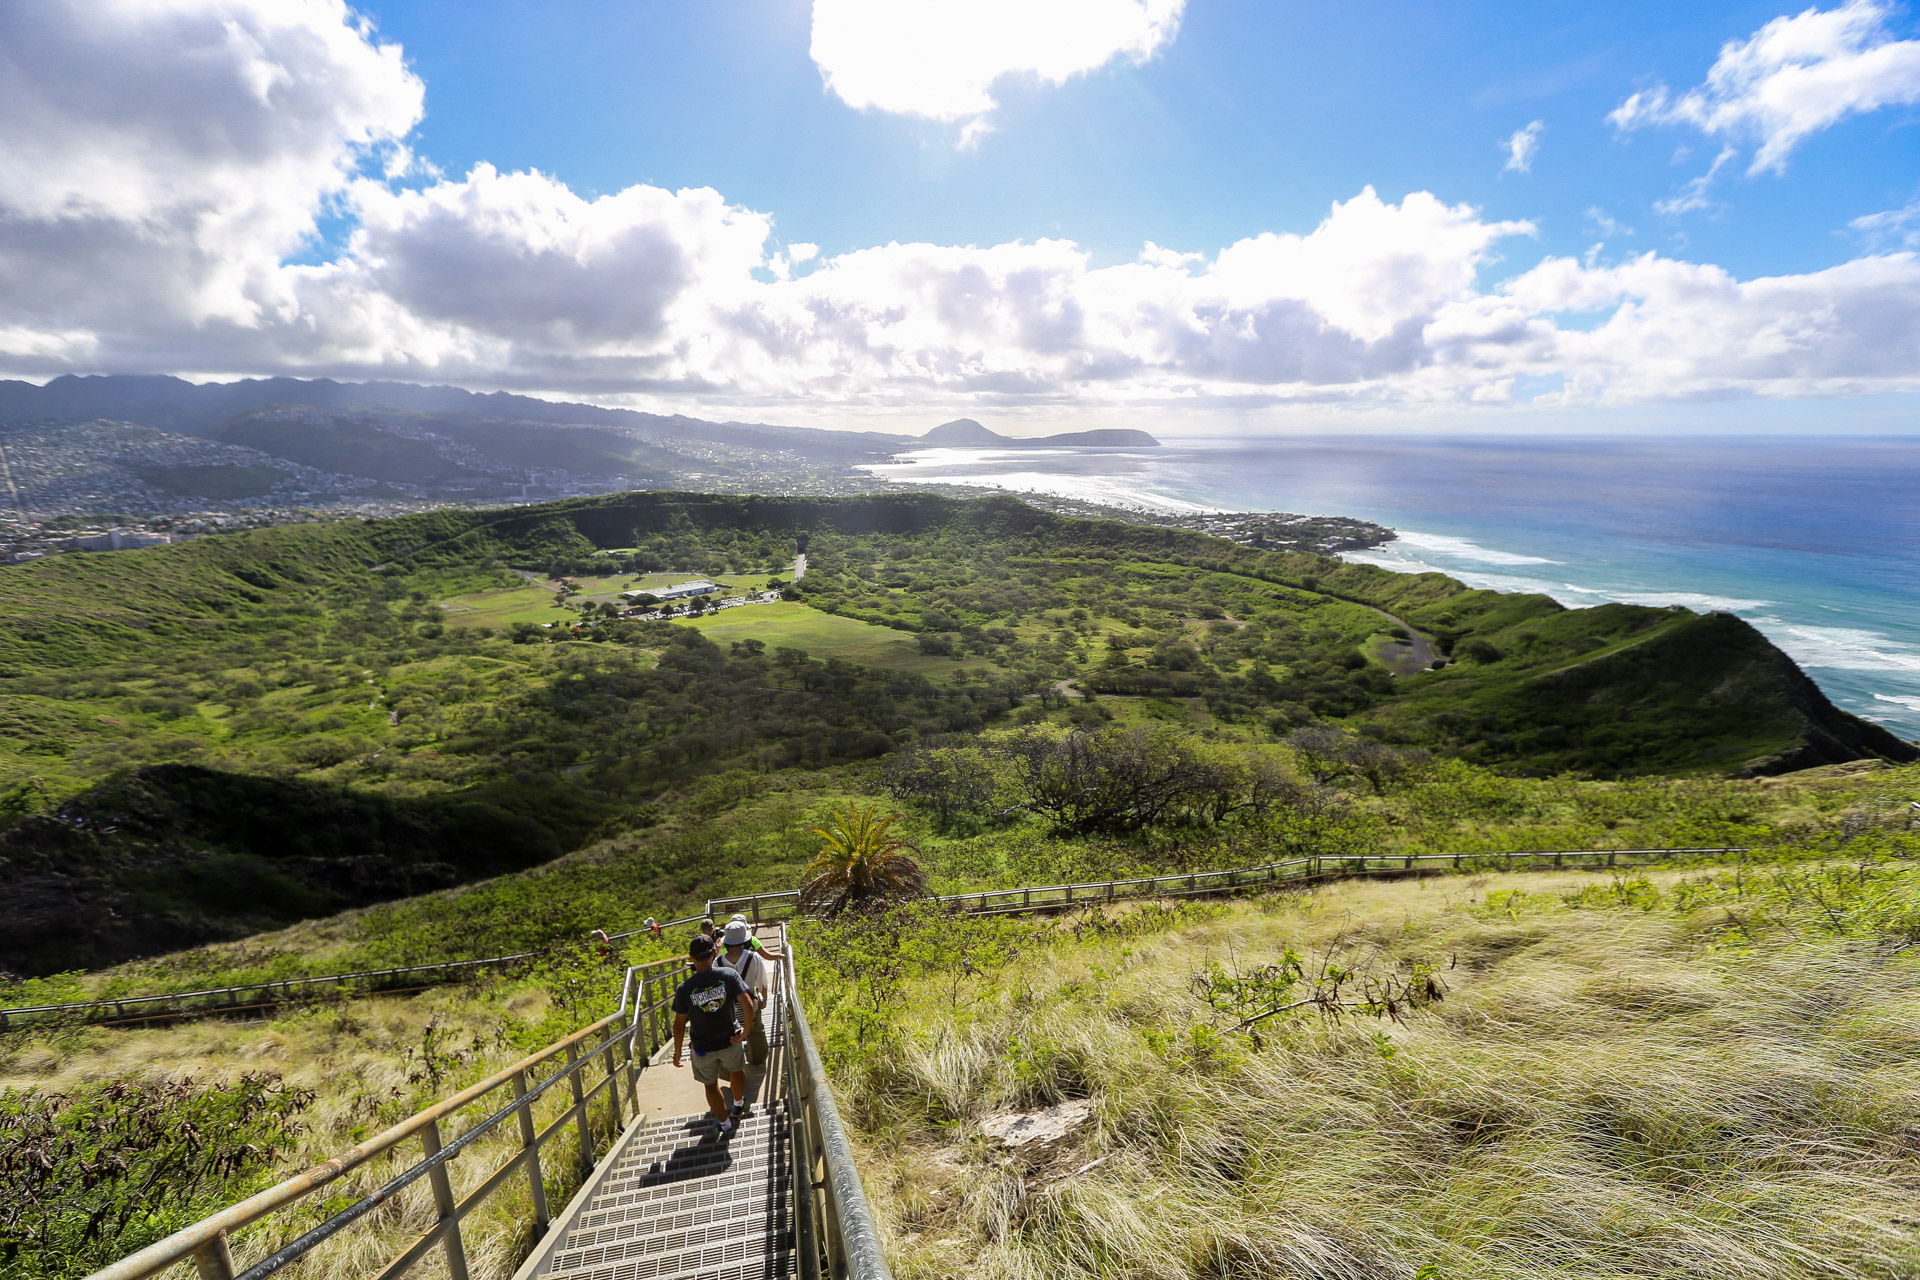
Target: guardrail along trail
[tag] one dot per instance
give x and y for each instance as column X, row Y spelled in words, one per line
column 675, row 1200
column 668, row 1200
column 1026, row 899
column 1030, row 899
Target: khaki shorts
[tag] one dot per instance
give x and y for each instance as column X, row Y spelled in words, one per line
column 710, row 1067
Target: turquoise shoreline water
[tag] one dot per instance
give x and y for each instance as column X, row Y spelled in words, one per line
column 1816, row 542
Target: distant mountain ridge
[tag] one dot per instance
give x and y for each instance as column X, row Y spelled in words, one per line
column 965, row 433
column 118, row 446
column 201, row 409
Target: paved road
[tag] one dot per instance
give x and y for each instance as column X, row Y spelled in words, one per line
column 1422, row 646
column 800, row 566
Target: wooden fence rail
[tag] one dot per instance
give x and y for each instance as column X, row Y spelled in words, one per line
column 263, row 995
column 1055, row 897
column 1052, row 897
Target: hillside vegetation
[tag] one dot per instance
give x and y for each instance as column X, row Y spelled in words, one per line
column 314, row 662
column 1506, row 1078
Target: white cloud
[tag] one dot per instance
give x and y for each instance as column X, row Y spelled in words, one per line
column 520, row 257
column 1790, row 79
column 1521, row 147
column 1687, row 330
column 157, row 238
column 1606, row 223
column 1891, row 228
column 940, row 59
column 160, row 158
column 1693, row 194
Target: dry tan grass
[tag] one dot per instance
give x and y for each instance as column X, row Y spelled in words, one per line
column 362, row 1059
column 1603, row 1094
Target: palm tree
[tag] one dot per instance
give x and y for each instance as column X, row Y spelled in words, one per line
column 860, row 865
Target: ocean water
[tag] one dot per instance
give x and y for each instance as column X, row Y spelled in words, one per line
column 1815, row 542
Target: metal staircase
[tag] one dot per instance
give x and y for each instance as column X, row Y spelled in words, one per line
column 680, row 1203
column 668, row 1200
column 675, row 1201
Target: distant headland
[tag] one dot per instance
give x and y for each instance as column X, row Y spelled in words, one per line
column 965, row 433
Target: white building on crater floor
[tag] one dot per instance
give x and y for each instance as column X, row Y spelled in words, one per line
column 697, row 587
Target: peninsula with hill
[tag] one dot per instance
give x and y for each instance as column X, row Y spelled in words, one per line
column 965, row 433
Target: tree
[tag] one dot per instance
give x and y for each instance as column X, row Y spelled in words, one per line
column 860, row 866
column 1324, row 752
column 1116, row 779
column 954, row 782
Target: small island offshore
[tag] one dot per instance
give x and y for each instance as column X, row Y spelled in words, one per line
column 965, row 433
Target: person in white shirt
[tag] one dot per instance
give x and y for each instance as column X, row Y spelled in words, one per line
column 756, row 975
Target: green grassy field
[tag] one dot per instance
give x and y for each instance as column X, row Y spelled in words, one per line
column 503, row 608
column 532, row 603
column 797, row 626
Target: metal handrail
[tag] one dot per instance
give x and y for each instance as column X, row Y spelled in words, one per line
column 206, row 1241
column 835, row 1233
column 1196, row 882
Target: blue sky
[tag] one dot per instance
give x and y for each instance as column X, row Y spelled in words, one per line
column 1255, row 117
column 1047, row 212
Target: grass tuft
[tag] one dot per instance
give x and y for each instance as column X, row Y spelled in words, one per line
column 1606, row 1090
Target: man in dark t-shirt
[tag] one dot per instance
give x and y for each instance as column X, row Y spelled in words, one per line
column 714, row 1003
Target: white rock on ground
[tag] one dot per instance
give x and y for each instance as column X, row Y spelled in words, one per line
column 1048, row 1125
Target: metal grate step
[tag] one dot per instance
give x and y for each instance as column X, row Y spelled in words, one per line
column 655, row 1219
column 757, row 1259
column 681, row 1150
column 707, row 1162
column 699, row 1129
column 773, row 1230
column 670, row 1198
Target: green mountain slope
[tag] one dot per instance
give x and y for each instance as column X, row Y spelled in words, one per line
column 304, row 676
column 175, row 855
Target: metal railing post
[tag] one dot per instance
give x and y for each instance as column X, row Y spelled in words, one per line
column 613, row 1083
column 634, row 1061
column 662, row 1015
column 536, row 1180
column 580, row 1113
column 443, row 1201
column 214, row 1259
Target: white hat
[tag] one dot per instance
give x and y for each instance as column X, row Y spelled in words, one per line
column 739, row 918
column 736, row 934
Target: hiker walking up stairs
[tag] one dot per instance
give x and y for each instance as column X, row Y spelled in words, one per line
column 678, row 1200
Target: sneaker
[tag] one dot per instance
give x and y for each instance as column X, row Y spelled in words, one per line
column 726, row 1129
column 742, row 1110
